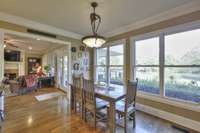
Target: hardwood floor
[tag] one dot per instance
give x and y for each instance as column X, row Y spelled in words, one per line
column 24, row 114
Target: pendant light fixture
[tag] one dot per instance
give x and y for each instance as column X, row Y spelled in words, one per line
column 94, row 40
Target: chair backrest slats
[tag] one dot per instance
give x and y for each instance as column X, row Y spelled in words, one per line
column 77, row 85
column 88, row 89
column 131, row 93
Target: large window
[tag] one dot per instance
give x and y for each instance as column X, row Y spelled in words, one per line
column 169, row 64
column 101, row 75
column 147, row 64
column 182, row 65
column 110, row 65
column 116, row 60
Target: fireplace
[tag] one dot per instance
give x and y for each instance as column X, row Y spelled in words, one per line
column 12, row 74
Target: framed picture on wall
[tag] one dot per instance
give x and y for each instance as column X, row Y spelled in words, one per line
column 73, row 49
column 79, row 55
column 82, row 48
column 74, row 57
column 32, row 61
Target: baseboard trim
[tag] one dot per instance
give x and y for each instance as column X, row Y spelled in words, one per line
column 183, row 121
column 61, row 90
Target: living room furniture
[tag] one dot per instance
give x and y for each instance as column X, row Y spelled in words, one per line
column 24, row 84
column 46, row 82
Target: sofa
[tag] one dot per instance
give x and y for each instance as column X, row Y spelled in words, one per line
column 24, row 84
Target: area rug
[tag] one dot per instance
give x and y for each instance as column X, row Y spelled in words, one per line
column 48, row 96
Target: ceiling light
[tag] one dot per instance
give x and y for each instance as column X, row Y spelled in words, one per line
column 30, row 48
column 38, row 39
column 94, row 40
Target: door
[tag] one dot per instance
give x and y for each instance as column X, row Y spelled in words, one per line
column 65, row 71
column 62, row 72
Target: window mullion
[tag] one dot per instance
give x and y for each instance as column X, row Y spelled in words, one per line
column 108, row 66
column 182, row 66
column 146, row 65
column 161, row 62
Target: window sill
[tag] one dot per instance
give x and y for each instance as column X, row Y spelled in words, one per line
column 170, row 101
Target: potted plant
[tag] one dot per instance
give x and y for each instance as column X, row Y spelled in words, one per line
column 47, row 68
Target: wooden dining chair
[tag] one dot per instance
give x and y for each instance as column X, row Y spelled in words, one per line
column 91, row 103
column 77, row 93
column 126, row 108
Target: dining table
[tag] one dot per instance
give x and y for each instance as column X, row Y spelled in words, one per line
column 111, row 95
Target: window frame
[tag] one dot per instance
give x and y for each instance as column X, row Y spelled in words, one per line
column 108, row 66
column 96, row 64
column 135, row 66
column 178, row 29
column 161, row 34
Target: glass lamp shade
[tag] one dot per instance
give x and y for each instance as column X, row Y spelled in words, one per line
column 94, row 41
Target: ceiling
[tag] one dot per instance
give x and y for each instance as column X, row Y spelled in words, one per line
column 73, row 15
column 38, row 47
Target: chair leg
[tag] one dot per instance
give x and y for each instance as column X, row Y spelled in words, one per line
column 75, row 106
column 134, row 120
column 95, row 121
column 125, row 124
column 82, row 110
column 72, row 106
column 85, row 115
column 108, row 116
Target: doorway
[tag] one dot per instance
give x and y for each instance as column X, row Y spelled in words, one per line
column 62, row 68
column 43, row 48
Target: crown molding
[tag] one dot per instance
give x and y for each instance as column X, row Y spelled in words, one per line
column 38, row 26
column 175, row 12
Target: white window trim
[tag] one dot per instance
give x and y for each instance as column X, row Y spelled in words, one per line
column 161, row 33
column 108, row 45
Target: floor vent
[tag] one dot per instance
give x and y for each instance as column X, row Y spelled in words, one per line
column 36, row 32
column 180, row 129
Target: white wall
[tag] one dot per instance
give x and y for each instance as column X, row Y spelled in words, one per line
column 1, row 55
column 78, row 57
column 44, row 61
column 22, row 64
